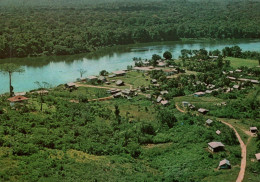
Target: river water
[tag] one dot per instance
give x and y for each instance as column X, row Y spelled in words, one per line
column 62, row 69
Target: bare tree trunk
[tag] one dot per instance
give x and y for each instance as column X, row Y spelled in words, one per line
column 10, row 84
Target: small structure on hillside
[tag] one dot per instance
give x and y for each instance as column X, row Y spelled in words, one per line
column 208, row 91
column 224, row 164
column 153, row 81
column 209, row 122
column 119, row 73
column 185, row 104
column 113, row 91
column 238, row 70
column 253, row 129
column 231, row 78
column 159, row 99
column 257, row 156
column 199, row 94
column 120, row 83
column 236, row 86
column 254, row 81
column 161, row 64
column 42, row 92
column 17, row 100
column 164, row 102
column 169, row 72
column 164, row 92
column 216, row 146
column 203, row 111
column 117, row 95
column 102, row 79
column 128, row 92
column 70, row 85
column 218, row 132
column 20, row 94
column 111, row 76
column 191, row 106
column 92, row 78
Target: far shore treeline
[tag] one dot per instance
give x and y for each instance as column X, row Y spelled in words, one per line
column 36, row 28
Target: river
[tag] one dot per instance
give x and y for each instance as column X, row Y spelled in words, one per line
column 62, row 69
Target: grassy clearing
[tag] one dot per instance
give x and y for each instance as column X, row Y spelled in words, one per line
column 237, row 62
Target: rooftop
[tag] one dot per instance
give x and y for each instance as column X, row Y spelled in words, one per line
column 17, row 98
column 215, row 144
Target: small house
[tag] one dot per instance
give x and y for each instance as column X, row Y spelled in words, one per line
column 120, row 83
column 254, row 81
column 238, row 70
column 191, row 106
column 128, row 92
column 17, row 100
column 224, row 164
column 117, row 95
column 70, row 85
column 208, row 91
column 169, row 72
column 236, row 86
column 215, row 146
column 20, row 94
column 111, row 76
column 199, row 94
column 92, row 79
column 42, row 92
column 159, row 99
column 218, row 132
column 257, row 156
column 185, row 104
column 164, row 102
column 119, row 73
column 161, row 64
column 153, row 81
column 203, row 111
column 164, row 92
column 209, row 122
column 231, row 78
column 253, row 129
column 102, row 79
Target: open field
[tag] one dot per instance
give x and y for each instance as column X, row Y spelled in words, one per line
column 238, row 62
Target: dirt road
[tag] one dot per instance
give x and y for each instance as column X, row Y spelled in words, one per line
column 242, row 146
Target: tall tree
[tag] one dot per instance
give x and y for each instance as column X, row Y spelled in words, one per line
column 42, row 86
column 10, row 68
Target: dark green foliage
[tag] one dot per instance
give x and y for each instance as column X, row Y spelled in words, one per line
column 61, row 28
column 167, row 55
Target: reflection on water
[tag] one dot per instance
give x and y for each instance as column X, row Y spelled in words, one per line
column 61, row 69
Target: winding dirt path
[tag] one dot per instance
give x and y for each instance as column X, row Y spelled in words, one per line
column 241, row 174
column 243, row 154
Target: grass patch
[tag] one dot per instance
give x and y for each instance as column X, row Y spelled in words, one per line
column 237, row 62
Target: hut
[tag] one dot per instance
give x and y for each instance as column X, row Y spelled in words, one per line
column 199, row 94
column 257, row 156
column 224, row 164
column 153, row 81
column 215, row 146
column 218, row 132
column 119, row 73
column 202, row 110
column 20, row 94
column 17, row 100
column 164, row 102
column 185, row 104
column 111, row 76
column 209, row 122
column 159, row 99
column 102, row 79
column 164, row 92
column 117, row 95
column 253, row 129
column 92, row 78
column 70, row 85
column 120, row 83
column 42, row 92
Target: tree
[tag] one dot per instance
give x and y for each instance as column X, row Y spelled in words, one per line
column 156, row 57
column 103, row 73
column 167, row 55
column 10, row 68
column 82, row 72
column 42, row 86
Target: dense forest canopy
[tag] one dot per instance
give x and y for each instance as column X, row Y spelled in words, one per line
column 35, row 28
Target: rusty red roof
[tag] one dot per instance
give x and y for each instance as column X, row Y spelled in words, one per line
column 17, row 98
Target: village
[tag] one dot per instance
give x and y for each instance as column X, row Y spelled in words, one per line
column 165, row 84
